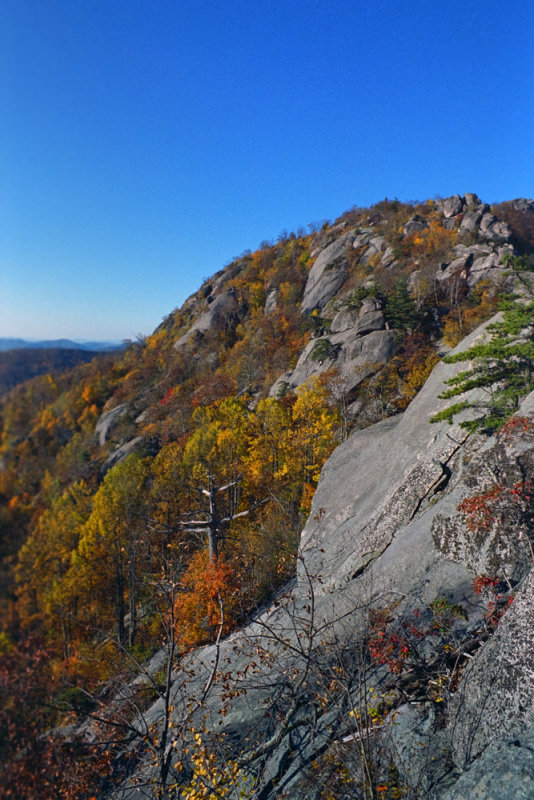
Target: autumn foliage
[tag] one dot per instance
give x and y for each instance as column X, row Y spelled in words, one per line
column 208, row 603
column 199, row 479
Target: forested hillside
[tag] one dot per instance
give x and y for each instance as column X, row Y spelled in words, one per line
column 18, row 366
column 157, row 496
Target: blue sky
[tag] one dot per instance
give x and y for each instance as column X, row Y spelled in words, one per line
column 145, row 143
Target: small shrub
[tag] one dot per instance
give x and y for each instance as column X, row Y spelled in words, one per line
column 323, row 349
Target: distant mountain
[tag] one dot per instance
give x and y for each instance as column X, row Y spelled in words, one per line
column 18, row 365
column 63, row 344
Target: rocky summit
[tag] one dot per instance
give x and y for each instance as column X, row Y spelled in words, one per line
column 283, row 548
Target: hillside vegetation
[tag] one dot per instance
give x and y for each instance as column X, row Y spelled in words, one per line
column 18, row 366
column 157, row 495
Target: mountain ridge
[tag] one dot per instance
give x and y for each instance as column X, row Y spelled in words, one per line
column 7, row 343
column 342, row 630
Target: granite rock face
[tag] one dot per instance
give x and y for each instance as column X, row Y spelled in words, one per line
column 121, row 452
column 504, row 771
column 386, row 535
column 385, row 532
column 327, row 274
column 107, row 420
column 221, row 307
column 357, row 345
column 357, row 359
column 451, row 206
column 496, row 695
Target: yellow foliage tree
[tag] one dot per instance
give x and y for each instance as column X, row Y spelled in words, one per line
column 211, row 779
column 44, row 561
column 108, row 560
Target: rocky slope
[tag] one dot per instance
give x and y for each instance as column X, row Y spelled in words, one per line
column 396, row 662
column 387, row 561
column 385, row 541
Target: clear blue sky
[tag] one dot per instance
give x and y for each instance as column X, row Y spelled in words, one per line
column 145, row 143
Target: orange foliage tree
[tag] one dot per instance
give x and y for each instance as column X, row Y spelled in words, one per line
column 207, row 605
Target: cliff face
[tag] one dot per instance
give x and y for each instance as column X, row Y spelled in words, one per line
column 389, row 662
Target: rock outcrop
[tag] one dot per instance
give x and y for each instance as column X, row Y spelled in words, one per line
column 386, row 544
column 221, row 308
column 327, row 275
column 348, row 344
column 107, row 420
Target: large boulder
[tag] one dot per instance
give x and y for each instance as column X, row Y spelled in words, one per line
column 505, row 771
column 491, row 228
column 221, row 309
column 486, row 266
column 327, row 274
column 368, row 317
column 475, row 263
column 495, row 698
column 107, row 420
column 121, row 452
column 375, row 246
column 471, row 221
column 357, row 352
column 415, row 225
column 451, row 206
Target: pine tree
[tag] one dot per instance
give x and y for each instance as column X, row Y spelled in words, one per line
column 400, row 308
column 503, row 369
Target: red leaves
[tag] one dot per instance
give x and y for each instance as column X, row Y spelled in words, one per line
column 521, row 491
column 167, row 396
column 483, row 582
column 479, row 509
column 388, row 645
column 514, row 426
column 484, row 509
column 498, row 605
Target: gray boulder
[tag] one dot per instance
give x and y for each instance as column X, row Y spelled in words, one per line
column 362, row 237
column 505, row 771
column 486, row 222
column 482, row 267
column 375, row 246
column 327, row 275
column 369, row 317
column 355, row 356
column 415, row 224
column 222, row 308
column 491, row 266
column 459, row 268
column 107, row 420
column 471, row 199
column 120, row 453
column 475, row 263
column 388, row 258
column 491, row 228
column 474, row 250
column 450, row 206
column 471, row 221
column 271, row 301
column 357, row 345
column 496, row 696
column 523, row 204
